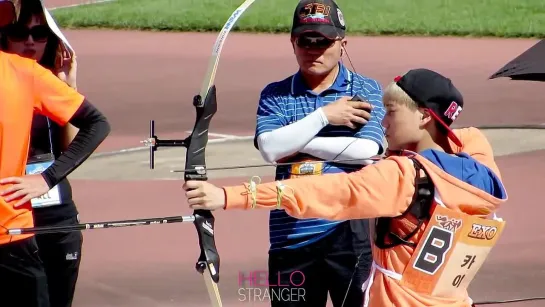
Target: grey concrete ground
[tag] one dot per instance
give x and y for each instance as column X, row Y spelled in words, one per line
column 134, row 165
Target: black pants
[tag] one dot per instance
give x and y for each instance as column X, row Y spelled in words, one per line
column 22, row 276
column 61, row 256
column 327, row 266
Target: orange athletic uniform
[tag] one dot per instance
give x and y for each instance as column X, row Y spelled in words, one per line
column 386, row 189
column 26, row 88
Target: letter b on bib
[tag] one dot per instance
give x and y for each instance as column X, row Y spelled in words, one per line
column 432, row 255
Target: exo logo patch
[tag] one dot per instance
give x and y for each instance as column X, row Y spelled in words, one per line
column 482, row 232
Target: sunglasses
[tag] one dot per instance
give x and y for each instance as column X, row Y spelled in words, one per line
column 19, row 33
column 314, row 42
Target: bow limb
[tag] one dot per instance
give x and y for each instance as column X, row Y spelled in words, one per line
column 218, row 46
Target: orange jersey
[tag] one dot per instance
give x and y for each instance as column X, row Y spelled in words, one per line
column 26, row 88
column 465, row 184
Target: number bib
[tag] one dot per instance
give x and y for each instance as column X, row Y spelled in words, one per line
column 52, row 197
column 451, row 251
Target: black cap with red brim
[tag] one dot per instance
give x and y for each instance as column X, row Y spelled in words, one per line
column 436, row 93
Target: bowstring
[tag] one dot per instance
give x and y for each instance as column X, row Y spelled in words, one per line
column 355, row 74
column 373, row 159
column 363, row 248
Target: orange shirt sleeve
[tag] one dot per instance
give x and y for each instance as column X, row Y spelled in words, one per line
column 382, row 189
column 53, row 97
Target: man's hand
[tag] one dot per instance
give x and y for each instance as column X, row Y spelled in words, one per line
column 344, row 112
column 27, row 187
column 204, row 195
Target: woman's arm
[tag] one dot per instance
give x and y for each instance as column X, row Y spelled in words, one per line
column 56, row 100
column 93, row 129
column 63, row 104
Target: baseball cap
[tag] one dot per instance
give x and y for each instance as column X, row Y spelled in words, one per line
column 7, row 13
column 435, row 92
column 321, row 16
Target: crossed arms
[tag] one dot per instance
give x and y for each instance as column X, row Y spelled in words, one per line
column 300, row 136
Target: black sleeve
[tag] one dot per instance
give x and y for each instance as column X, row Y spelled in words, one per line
column 93, row 129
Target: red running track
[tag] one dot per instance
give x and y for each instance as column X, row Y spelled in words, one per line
column 134, row 77
column 154, row 265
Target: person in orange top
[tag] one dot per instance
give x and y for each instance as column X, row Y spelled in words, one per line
column 433, row 203
column 27, row 87
column 36, row 35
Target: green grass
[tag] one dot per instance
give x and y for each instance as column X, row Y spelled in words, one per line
column 503, row 18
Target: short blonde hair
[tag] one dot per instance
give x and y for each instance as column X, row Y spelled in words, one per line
column 393, row 92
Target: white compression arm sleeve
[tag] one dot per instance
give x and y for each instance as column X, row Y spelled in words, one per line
column 342, row 148
column 290, row 139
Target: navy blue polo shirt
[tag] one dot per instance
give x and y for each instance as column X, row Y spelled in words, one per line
column 289, row 100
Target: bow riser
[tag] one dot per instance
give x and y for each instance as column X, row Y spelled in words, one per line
column 208, row 263
column 195, row 161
